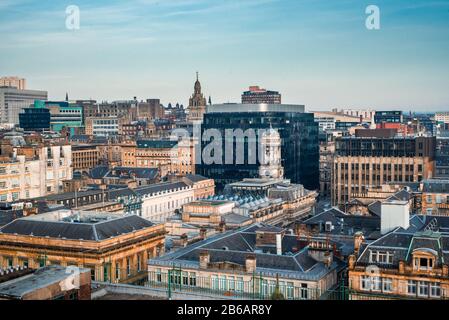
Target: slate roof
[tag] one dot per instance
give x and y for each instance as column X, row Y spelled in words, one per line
column 98, row 172
column 156, row 144
column 234, row 247
column 160, row 187
column 195, row 177
column 424, row 233
column 76, row 231
column 139, row 173
column 345, row 224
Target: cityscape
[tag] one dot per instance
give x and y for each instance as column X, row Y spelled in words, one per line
column 261, row 198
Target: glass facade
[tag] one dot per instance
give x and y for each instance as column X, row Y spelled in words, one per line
column 34, row 119
column 299, row 146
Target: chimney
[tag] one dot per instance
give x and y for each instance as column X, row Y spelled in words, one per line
column 359, row 239
column 279, row 244
column 250, row 263
column 351, row 262
column 393, row 214
column 203, row 233
column 204, row 259
column 184, row 239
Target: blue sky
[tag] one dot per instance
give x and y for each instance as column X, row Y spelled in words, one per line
column 315, row 52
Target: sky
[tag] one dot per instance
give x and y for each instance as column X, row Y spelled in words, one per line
column 315, row 52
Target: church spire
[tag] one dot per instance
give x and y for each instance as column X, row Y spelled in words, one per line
column 67, row 96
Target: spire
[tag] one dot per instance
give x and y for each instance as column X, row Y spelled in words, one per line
column 67, row 96
column 197, row 76
column 210, row 101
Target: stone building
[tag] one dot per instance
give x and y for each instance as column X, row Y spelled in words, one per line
column 405, row 263
column 113, row 247
column 197, row 103
column 361, row 163
column 250, row 262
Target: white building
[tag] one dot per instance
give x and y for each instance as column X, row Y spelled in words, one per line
column 161, row 201
column 442, row 117
column 22, row 178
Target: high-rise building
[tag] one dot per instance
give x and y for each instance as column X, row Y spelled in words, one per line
column 361, row 163
column 257, row 95
column 299, row 142
column 16, row 82
column 197, row 103
column 13, row 100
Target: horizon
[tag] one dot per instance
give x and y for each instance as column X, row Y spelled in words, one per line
column 314, row 53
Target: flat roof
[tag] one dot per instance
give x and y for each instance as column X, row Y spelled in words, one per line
column 263, row 107
column 44, row 277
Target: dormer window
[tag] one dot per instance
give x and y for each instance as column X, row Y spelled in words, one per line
column 381, row 257
column 423, row 263
column 424, row 259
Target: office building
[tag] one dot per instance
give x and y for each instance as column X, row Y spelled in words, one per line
column 257, row 95
column 299, row 142
column 15, row 82
column 13, row 100
column 361, row 163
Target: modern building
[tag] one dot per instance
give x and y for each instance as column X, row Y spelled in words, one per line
column 32, row 119
column 13, row 100
column 114, row 248
column 240, row 127
column 442, row 117
column 388, row 117
column 102, row 126
column 257, row 95
column 252, row 262
column 361, row 163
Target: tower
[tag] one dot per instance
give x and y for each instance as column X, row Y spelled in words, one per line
column 197, row 103
column 270, row 166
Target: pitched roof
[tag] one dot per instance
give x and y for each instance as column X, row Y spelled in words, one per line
column 77, row 231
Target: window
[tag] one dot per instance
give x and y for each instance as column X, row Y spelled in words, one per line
column 289, row 290
column 139, row 263
column 435, row 290
column 214, row 282
column 192, row 279
column 158, row 275
column 423, row 289
column 376, row 283
column 411, row 287
column 117, row 271
column 128, row 266
column 387, row 285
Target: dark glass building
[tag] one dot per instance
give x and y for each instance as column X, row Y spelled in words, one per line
column 299, row 141
column 34, row 119
column 388, row 117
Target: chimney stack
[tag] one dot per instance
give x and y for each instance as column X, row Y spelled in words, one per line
column 204, row 259
column 250, row 263
column 279, row 244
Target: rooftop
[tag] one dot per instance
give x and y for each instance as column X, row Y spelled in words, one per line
column 41, row 278
column 76, row 225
